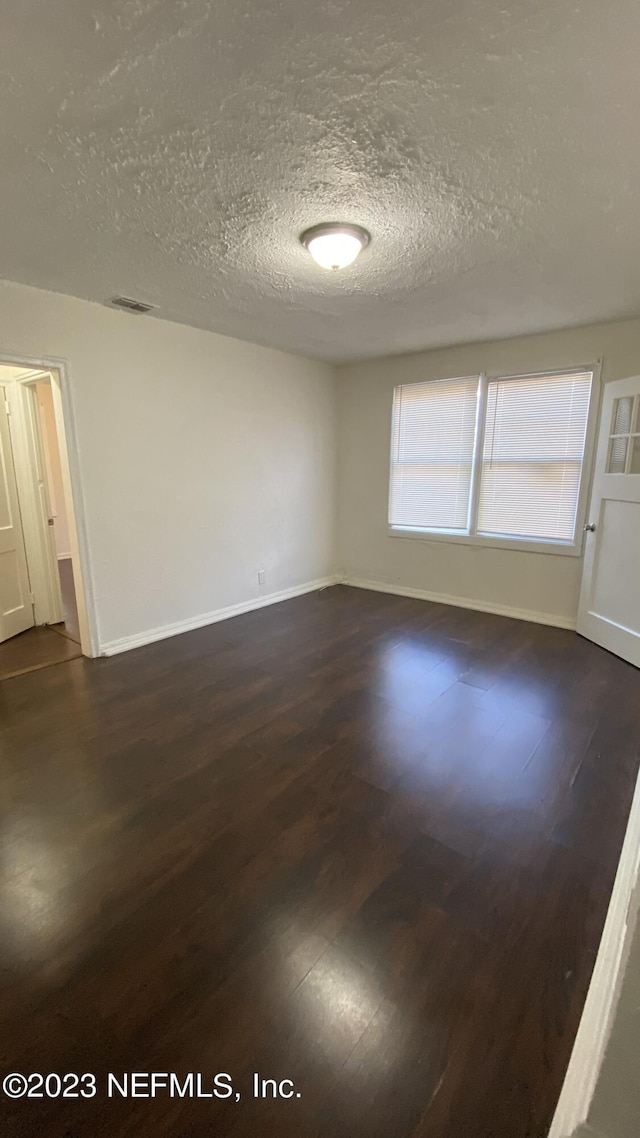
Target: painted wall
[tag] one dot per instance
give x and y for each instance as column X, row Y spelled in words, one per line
column 540, row 583
column 202, row 459
column 54, row 470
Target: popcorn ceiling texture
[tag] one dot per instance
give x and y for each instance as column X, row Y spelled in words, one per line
column 173, row 150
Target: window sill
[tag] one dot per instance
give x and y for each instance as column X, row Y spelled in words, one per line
column 485, row 541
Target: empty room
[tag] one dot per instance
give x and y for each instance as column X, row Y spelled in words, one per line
column 319, row 569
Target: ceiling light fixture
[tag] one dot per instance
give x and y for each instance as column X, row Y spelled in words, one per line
column 335, row 245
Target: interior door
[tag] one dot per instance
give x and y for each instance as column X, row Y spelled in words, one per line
column 40, row 544
column 609, row 610
column 16, row 610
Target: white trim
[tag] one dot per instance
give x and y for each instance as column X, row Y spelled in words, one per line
column 493, row 541
column 463, row 602
column 139, row 639
column 64, row 556
column 493, row 374
column 599, row 1009
column 478, row 449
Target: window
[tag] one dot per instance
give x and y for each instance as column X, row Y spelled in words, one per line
column 490, row 459
column 624, row 438
column 434, row 426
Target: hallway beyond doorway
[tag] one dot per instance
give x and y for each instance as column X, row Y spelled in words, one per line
column 69, row 626
column 44, row 645
column 43, row 585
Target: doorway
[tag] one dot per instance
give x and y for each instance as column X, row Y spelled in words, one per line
column 43, row 615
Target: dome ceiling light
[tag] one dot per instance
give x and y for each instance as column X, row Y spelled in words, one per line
column 334, row 245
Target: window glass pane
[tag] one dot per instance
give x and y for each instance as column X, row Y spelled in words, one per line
column 635, row 456
column 531, row 468
column 636, row 418
column 617, row 456
column 622, row 415
column 432, row 454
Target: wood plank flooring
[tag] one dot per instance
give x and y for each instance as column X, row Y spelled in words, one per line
column 36, row 648
column 361, row 842
column 45, row 645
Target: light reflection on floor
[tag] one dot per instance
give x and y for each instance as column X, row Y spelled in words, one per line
column 410, row 731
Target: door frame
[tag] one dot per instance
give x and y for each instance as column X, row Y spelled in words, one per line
column 57, row 372
column 31, row 477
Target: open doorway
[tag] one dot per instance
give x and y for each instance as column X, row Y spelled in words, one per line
column 43, row 616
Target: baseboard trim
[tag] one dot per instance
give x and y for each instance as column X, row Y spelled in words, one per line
column 462, row 602
column 139, row 639
column 599, row 1009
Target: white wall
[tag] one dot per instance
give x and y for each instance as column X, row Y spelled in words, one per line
column 202, row 459
column 537, row 583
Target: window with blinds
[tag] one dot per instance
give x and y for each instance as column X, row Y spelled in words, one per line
column 535, row 430
column 490, row 458
column 434, row 427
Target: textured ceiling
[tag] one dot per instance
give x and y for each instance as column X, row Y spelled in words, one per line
column 173, row 150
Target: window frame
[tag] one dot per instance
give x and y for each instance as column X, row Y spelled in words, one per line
column 500, row 541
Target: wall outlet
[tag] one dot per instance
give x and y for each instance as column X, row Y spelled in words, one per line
column 261, row 576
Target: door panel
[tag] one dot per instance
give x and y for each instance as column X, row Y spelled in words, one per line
column 616, row 574
column 16, row 610
column 609, row 611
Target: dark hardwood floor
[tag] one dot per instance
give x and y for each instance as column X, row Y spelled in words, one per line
column 45, row 645
column 357, row 841
column 36, row 648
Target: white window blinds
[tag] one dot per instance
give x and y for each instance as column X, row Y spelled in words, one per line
column 534, row 440
column 492, row 460
column 432, row 454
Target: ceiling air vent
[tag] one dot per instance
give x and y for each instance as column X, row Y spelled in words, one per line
column 130, row 305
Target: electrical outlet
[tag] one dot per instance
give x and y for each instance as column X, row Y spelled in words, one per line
column 261, row 576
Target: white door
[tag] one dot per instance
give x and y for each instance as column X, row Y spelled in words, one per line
column 609, row 610
column 16, row 610
column 35, row 503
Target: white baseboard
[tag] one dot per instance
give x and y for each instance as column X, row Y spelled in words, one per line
column 462, row 602
column 599, row 1009
column 139, row 639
